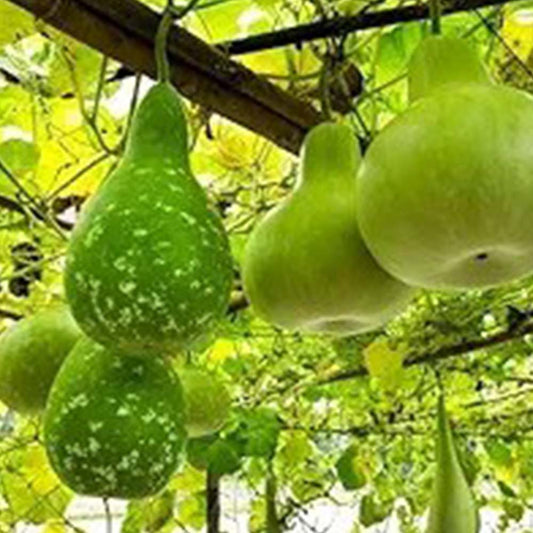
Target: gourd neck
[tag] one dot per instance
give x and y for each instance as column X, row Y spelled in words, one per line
column 330, row 155
column 447, row 455
column 159, row 127
column 439, row 61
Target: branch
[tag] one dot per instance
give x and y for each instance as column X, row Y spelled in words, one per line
column 11, row 205
column 508, row 335
column 6, row 313
column 213, row 502
column 343, row 25
column 125, row 30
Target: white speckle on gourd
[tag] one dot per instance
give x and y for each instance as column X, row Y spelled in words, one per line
column 94, row 445
column 127, row 287
column 120, row 263
column 189, row 219
column 123, row 411
column 92, row 236
column 80, row 400
column 125, row 316
column 95, row 426
column 140, row 232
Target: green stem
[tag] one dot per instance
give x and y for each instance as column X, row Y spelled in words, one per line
column 435, row 12
column 325, row 96
column 163, row 68
column 99, row 88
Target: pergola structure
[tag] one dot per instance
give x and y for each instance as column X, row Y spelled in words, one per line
column 204, row 73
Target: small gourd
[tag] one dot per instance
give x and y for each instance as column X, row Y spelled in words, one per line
column 114, row 424
column 453, row 509
column 207, row 402
column 306, row 266
column 446, row 189
column 31, row 353
column 148, row 265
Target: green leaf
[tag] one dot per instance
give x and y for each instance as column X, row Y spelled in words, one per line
column 499, row 453
column 384, row 363
column 150, row 515
column 372, row 512
column 350, row 474
column 191, row 511
column 296, row 448
column 223, row 458
column 218, row 455
column 513, row 509
column 505, row 489
column 15, row 22
column 394, row 51
column 198, row 451
column 258, row 432
column 19, row 156
column 30, row 486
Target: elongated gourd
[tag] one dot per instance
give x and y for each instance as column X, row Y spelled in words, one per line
column 114, row 424
column 148, row 266
column 446, row 189
column 31, row 353
column 453, row 509
column 306, row 266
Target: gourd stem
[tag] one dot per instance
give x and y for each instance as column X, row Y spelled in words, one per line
column 163, row 68
column 435, row 11
column 325, row 96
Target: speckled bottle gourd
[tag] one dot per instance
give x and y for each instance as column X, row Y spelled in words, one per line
column 114, row 424
column 446, row 189
column 306, row 266
column 148, row 265
column 31, row 353
column 207, row 402
column 453, row 509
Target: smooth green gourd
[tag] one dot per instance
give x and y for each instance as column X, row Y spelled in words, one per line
column 306, row 266
column 31, row 353
column 453, row 509
column 148, row 266
column 446, row 189
column 207, row 402
column 114, row 424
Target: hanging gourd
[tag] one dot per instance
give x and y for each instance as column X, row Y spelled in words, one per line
column 31, row 353
column 148, row 265
column 445, row 193
column 306, row 266
column 207, row 402
column 453, row 509
column 114, row 424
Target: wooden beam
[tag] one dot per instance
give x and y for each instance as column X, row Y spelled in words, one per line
column 338, row 26
column 125, row 31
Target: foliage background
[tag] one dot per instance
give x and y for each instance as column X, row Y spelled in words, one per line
column 298, row 434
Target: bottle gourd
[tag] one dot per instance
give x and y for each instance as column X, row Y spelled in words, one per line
column 207, row 402
column 453, row 509
column 31, row 353
column 306, row 266
column 446, row 189
column 148, row 265
column 114, row 424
